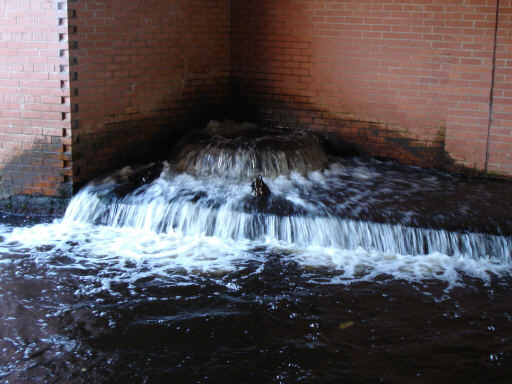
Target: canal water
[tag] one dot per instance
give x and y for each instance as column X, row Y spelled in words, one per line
column 352, row 270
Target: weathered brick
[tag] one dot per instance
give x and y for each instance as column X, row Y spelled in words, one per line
column 400, row 79
column 30, row 44
column 425, row 68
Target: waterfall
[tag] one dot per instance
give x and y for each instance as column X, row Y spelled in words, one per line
column 161, row 209
column 197, row 212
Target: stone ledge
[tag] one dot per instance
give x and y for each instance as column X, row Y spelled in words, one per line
column 34, row 206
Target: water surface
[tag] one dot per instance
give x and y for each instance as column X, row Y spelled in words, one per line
column 359, row 271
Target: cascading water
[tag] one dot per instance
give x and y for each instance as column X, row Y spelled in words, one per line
column 215, row 207
column 240, row 152
column 205, row 191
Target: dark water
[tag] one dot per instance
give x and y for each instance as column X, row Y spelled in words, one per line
column 266, row 322
column 358, row 272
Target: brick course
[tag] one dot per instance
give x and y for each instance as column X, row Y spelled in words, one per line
column 87, row 86
column 34, row 99
column 142, row 72
column 397, row 79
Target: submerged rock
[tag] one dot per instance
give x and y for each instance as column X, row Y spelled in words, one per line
column 146, row 174
column 129, row 179
column 259, row 188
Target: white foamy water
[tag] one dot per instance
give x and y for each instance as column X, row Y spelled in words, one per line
column 182, row 227
column 199, row 218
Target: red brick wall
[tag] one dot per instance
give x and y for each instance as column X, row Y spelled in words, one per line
column 409, row 80
column 117, row 80
column 142, row 71
column 34, row 98
column 500, row 144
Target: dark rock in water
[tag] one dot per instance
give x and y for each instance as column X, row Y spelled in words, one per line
column 147, row 174
column 259, row 188
column 128, row 180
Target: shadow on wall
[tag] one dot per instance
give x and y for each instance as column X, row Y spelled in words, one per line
column 37, row 171
column 38, row 181
column 370, row 138
column 118, row 144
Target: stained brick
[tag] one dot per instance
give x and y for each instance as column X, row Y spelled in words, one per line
column 423, row 68
column 400, row 79
column 131, row 88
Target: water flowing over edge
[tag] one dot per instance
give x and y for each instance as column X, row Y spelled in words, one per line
column 181, row 227
column 242, row 151
column 197, row 215
column 188, row 217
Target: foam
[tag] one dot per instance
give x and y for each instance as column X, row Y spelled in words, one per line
column 360, row 264
column 183, row 227
column 128, row 255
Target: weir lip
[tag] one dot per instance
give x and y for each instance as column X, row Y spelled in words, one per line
column 213, row 167
column 244, row 151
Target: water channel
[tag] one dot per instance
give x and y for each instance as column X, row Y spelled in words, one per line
column 352, row 270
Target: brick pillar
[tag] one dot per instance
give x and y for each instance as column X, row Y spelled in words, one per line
column 35, row 116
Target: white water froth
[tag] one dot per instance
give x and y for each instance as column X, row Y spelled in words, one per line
column 128, row 255
column 123, row 255
column 181, row 227
column 211, row 207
